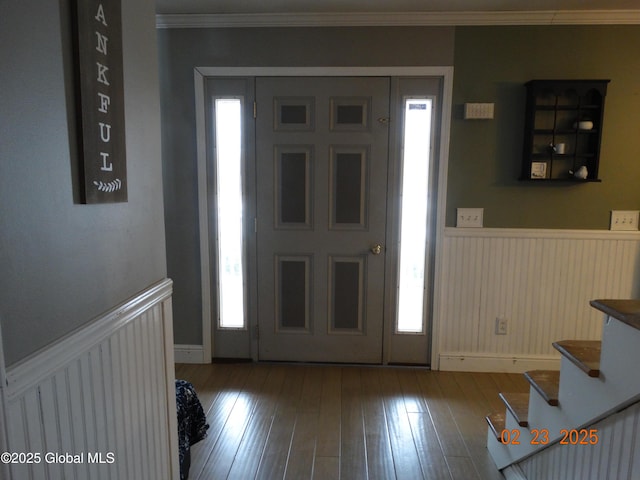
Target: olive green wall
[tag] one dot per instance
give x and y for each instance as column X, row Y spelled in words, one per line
column 491, row 65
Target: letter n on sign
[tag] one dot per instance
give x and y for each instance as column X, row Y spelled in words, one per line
column 100, row 98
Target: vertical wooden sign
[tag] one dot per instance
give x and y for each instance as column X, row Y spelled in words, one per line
column 98, row 41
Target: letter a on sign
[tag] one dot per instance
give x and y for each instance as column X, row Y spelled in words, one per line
column 98, row 49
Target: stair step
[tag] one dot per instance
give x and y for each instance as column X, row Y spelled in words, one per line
column 627, row 311
column 585, row 354
column 496, row 423
column 546, row 383
column 518, row 405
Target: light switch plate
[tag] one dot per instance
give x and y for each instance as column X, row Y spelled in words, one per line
column 469, row 217
column 478, row 111
column 624, row 220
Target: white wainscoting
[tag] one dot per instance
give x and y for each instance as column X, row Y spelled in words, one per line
column 616, row 455
column 541, row 281
column 105, row 395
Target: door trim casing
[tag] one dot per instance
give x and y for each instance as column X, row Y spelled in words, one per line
column 200, row 76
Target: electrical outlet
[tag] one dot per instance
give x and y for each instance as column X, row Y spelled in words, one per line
column 624, row 220
column 501, row 326
column 469, row 217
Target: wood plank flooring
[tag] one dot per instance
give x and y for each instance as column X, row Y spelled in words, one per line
column 281, row 421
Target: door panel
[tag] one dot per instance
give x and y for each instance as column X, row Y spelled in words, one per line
column 348, row 187
column 347, row 284
column 292, row 286
column 322, row 155
column 293, row 180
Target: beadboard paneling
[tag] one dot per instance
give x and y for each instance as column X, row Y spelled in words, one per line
column 540, row 281
column 104, row 395
column 615, row 456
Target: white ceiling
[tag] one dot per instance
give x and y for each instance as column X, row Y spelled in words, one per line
column 221, row 7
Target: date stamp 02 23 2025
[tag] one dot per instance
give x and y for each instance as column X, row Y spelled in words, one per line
column 541, row 437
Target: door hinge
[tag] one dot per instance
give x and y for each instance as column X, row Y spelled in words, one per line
column 255, row 110
column 256, row 329
column 255, row 224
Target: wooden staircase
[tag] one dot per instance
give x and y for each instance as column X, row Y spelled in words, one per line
column 596, row 379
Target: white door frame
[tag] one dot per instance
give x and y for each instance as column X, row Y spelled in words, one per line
column 200, row 76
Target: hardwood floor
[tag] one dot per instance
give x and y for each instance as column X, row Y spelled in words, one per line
column 280, row 421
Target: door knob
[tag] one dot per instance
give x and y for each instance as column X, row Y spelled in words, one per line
column 376, row 249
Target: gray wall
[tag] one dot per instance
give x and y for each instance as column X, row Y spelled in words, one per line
column 182, row 50
column 63, row 263
column 490, row 65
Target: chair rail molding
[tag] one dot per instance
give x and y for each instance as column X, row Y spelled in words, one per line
column 106, row 389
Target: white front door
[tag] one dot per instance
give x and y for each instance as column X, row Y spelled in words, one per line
column 321, row 168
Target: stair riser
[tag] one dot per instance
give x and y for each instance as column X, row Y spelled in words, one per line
column 542, row 416
column 511, row 423
column 500, row 454
column 620, row 356
column 543, row 419
column 583, row 398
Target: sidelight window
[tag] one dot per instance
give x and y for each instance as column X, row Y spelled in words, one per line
column 229, row 218
column 416, row 154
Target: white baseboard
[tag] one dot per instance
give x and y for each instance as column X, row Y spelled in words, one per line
column 473, row 362
column 189, row 354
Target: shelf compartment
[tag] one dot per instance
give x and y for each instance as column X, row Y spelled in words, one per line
column 554, row 107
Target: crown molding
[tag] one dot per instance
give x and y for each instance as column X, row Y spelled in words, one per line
column 545, row 17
